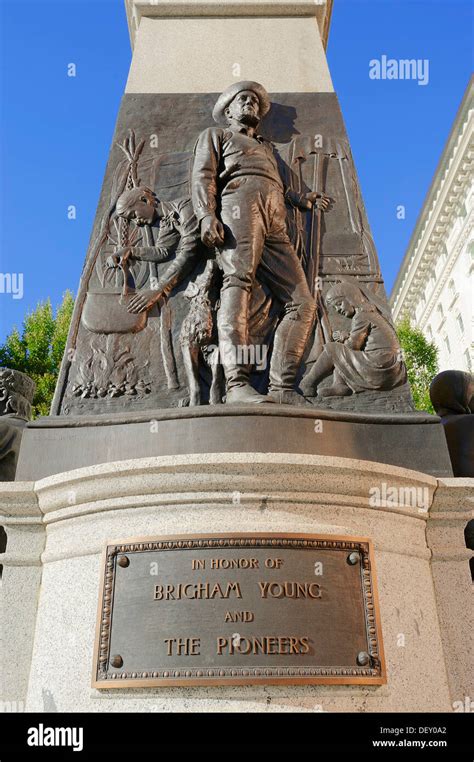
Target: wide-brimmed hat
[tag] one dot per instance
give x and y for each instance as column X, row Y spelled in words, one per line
column 229, row 94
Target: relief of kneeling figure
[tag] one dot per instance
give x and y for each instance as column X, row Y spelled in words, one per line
column 367, row 358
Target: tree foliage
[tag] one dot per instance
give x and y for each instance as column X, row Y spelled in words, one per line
column 38, row 349
column 421, row 359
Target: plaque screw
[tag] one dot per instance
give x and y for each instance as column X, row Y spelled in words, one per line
column 353, row 559
column 123, row 561
column 116, row 661
column 363, row 658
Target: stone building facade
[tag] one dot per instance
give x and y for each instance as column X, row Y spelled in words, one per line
column 435, row 283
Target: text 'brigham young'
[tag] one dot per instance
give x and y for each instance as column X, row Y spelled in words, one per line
column 207, row 590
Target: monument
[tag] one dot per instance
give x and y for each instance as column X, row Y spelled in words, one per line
column 232, row 447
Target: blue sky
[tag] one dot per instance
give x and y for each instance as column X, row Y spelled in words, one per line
column 56, row 130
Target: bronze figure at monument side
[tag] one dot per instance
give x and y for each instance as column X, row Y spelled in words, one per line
column 16, row 397
column 452, row 396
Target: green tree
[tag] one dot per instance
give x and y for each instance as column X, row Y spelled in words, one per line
column 421, row 359
column 39, row 348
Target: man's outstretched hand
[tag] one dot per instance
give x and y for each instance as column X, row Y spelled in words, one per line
column 212, row 231
column 143, row 300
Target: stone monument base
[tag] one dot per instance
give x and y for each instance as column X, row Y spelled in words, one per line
column 58, row 526
column 56, row 444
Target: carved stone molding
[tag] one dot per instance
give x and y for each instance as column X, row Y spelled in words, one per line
column 319, row 9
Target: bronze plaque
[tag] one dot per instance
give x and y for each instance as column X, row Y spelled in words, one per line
column 238, row 609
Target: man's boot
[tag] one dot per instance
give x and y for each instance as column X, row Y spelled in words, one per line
column 244, row 395
column 288, row 348
column 288, row 397
column 239, row 390
column 233, row 334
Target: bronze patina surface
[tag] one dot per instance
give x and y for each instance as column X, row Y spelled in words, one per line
column 238, row 609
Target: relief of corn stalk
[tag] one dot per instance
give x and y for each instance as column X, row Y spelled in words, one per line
column 124, row 235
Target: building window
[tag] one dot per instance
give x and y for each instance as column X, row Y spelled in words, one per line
column 452, row 289
column 460, row 324
column 440, row 312
column 467, row 357
column 447, row 345
column 468, row 253
column 429, row 331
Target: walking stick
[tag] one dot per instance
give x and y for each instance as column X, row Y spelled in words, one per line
column 315, row 242
column 297, row 159
column 323, row 326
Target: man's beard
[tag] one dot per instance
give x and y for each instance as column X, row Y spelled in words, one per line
column 251, row 120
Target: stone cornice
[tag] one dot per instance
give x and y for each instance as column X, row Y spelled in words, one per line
column 320, row 9
column 18, row 499
column 448, row 191
column 442, row 280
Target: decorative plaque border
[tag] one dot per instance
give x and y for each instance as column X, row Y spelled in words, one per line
column 373, row 674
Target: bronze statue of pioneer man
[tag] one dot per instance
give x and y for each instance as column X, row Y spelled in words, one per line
column 239, row 200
